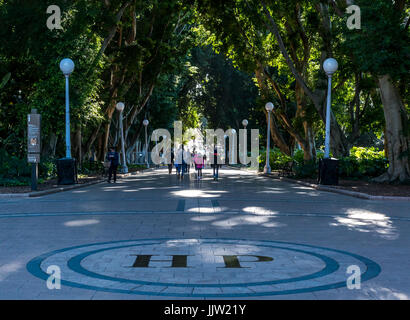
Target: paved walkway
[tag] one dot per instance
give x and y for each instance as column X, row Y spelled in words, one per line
column 151, row 236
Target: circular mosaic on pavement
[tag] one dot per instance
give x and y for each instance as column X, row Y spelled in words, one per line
column 202, row 267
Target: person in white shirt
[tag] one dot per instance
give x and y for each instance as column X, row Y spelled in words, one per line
column 180, row 161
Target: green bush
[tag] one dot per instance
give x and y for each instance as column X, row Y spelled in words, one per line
column 277, row 159
column 89, row 167
column 305, row 169
column 302, row 168
column 362, row 163
column 17, row 172
column 136, row 166
column 13, row 171
column 47, row 169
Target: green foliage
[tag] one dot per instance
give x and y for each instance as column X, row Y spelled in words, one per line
column 91, row 167
column 307, row 169
column 277, row 159
column 32, row 52
column 47, row 168
column 382, row 46
column 135, row 167
column 362, row 163
column 302, row 168
column 212, row 87
column 185, row 60
column 11, row 166
column 4, row 81
column 15, row 171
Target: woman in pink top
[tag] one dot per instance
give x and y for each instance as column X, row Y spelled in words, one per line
column 199, row 164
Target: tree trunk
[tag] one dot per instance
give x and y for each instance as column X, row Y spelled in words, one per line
column 386, row 144
column 77, row 145
column 310, row 148
column 277, row 136
column 100, row 149
column 49, row 148
column 396, row 133
column 339, row 143
column 308, row 143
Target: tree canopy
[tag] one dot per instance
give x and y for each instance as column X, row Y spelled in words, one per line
column 217, row 60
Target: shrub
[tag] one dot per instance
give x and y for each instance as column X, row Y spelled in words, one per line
column 13, row 171
column 18, row 167
column 16, row 172
column 88, row 167
column 362, row 163
column 47, row 169
column 277, row 159
column 305, row 169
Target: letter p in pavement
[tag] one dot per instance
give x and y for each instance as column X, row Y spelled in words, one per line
column 232, row 261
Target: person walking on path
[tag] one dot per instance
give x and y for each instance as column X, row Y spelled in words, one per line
column 215, row 165
column 179, row 161
column 192, row 163
column 199, row 164
column 170, row 165
column 114, row 158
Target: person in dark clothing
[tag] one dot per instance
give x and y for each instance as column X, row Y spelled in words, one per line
column 172, row 162
column 215, row 165
column 114, row 159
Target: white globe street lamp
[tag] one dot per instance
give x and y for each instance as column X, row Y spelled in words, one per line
column 67, row 67
column 145, row 123
column 269, row 107
column 330, row 66
column 120, row 107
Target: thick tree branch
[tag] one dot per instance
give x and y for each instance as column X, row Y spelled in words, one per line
column 110, row 36
column 275, row 30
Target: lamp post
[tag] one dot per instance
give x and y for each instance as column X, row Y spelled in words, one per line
column 330, row 66
column 67, row 67
column 225, row 152
column 269, row 107
column 232, row 157
column 244, row 148
column 120, row 107
column 145, row 123
column 329, row 168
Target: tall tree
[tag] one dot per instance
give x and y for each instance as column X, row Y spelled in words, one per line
column 382, row 47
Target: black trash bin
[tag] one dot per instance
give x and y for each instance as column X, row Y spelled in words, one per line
column 66, row 171
column 328, row 172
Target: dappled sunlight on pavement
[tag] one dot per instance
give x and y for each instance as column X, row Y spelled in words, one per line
column 368, row 221
column 154, row 235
